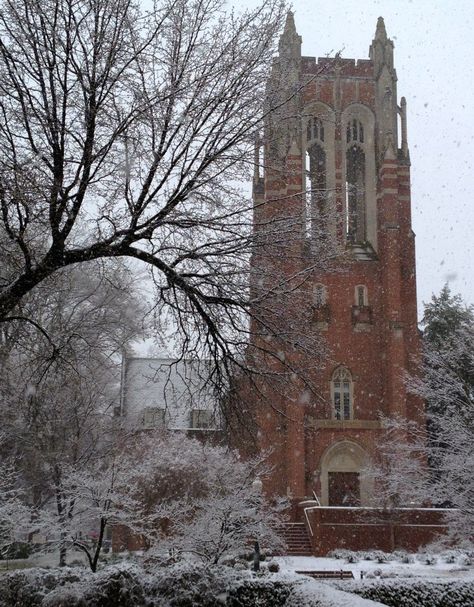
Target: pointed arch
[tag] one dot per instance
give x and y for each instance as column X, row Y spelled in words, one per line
column 319, row 172
column 348, row 460
column 360, row 212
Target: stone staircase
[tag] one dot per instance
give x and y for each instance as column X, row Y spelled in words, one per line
column 297, row 540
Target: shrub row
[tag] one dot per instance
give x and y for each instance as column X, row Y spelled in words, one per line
column 416, row 593
column 130, row 586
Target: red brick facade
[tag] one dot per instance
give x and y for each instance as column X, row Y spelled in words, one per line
column 333, row 169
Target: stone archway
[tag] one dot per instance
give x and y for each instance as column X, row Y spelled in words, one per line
column 342, row 475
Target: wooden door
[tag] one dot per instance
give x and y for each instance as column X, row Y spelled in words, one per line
column 344, row 489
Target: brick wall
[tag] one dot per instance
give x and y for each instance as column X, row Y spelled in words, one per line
column 373, row 528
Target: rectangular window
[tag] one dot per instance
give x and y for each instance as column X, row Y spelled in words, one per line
column 154, row 417
column 202, row 419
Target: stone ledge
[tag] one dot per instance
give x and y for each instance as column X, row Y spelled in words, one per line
column 346, row 424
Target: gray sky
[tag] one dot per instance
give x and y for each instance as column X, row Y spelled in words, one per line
column 434, row 58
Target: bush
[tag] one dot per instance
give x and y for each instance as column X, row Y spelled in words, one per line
column 339, row 553
column 415, row 593
column 116, row 586
column 450, row 557
column 28, row 587
column 258, row 593
column 273, row 567
column 465, row 560
column 64, row 597
column 189, row 585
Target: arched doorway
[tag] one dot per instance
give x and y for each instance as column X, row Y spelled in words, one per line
column 343, row 481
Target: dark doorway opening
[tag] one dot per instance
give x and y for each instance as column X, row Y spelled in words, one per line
column 344, row 489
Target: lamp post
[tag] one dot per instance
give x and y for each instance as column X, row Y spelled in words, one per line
column 257, row 486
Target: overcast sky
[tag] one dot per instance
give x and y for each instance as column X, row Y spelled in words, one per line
column 434, row 59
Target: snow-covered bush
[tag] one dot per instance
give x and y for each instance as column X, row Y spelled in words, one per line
column 64, row 597
column 188, row 584
column 339, row 553
column 381, row 557
column 179, row 585
column 466, row 560
column 415, row 593
column 261, row 592
column 28, row 587
column 197, row 585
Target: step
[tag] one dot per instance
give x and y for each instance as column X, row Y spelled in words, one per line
column 297, row 540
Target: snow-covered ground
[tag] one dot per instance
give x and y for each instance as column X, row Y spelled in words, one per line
column 440, row 570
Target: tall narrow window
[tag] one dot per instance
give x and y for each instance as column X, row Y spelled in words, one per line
column 341, row 388
column 355, row 178
column 316, row 210
column 317, row 176
column 361, row 297
column 355, row 183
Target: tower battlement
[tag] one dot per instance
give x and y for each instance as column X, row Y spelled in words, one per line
column 332, row 66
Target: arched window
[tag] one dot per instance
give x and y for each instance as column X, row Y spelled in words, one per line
column 341, row 392
column 319, row 295
column 361, row 296
column 355, row 184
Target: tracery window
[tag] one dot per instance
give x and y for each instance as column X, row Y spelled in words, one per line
column 341, row 388
column 315, row 129
column 355, row 131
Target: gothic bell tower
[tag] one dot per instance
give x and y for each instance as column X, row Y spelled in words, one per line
column 333, row 172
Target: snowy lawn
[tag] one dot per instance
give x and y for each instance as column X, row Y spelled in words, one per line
column 439, row 570
column 47, row 559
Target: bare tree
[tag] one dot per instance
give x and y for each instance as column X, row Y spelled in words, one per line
column 433, row 464
column 173, row 492
column 126, row 133
column 59, row 387
column 14, row 514
column 122, row 133
column 401, row 475
column 448, row 387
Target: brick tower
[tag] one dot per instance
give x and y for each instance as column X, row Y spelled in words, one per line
column 333, row 170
